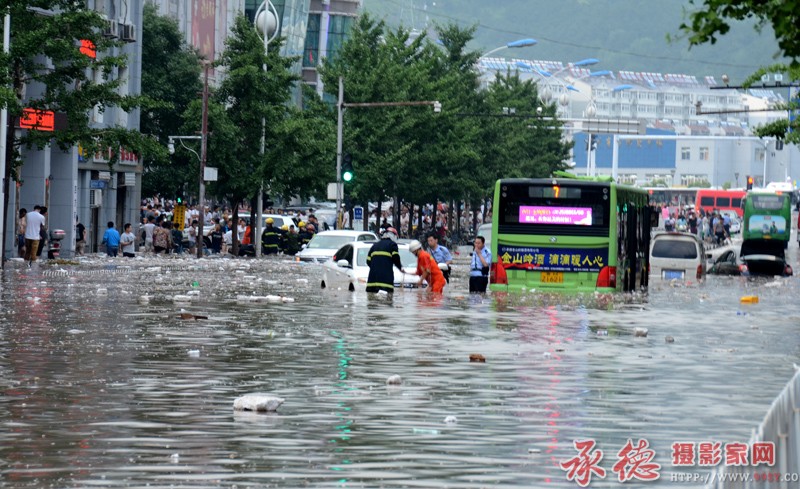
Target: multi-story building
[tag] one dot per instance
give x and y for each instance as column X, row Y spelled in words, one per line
column 313, row 29
column 697, row 134
column 74, row 185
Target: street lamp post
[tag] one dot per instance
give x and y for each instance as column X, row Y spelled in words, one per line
column 268, row 24
column 522, row 43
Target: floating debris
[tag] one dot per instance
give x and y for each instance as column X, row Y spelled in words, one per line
column 394, row 380
column 640, row 332
column 669, row 339
column 477, row 357
column 188, row 315
column 194, row 353
column 451, row 420
column 749, row 299
column 258, row 403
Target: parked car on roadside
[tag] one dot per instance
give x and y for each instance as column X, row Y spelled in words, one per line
column 348, row 268
column 324, row 245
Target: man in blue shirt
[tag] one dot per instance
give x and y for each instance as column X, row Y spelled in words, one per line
column 479, row 266
column 111, row 239
column 440, row 254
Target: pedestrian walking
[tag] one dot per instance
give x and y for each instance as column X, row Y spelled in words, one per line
column 440, row 254
column 111, row 239
column 34, row 223
column 128, row 242
column 80, row 236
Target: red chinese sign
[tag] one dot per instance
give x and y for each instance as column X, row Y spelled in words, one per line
column 581, row 467
column 87, row 48
column 636, row 461
column 41, row 120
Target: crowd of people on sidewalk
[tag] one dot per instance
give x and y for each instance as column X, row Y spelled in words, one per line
column 711, row 227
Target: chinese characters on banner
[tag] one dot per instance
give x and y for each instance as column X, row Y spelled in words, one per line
column 553, row 259
column 636, row 460
column 532, row 214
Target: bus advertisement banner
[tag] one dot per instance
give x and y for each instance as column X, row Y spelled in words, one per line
column 553, row 259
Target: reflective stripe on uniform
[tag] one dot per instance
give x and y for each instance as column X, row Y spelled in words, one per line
column 384, row 253
column 380, row 284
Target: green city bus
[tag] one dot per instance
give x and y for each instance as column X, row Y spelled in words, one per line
column 570, row 234
column 767, row 222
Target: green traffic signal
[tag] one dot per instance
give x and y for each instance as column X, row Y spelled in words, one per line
column 347, row 168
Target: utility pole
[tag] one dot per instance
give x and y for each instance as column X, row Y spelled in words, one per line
column 4, row 185
column 203, row 157
column 339, row 137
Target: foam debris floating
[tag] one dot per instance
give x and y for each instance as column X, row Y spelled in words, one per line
column 181, row 298
column 749, row 299
column 451, row 420
column 263, row 403
column 394, row 380
column 641, row 332
column 194, row 353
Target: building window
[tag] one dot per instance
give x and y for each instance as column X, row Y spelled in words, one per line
column 337, row 33
column 704, row 153
column 695, row 181
column 311, row 51
column 686, row 153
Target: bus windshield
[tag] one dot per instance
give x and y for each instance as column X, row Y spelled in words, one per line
column 768, row 202
column 526, row 207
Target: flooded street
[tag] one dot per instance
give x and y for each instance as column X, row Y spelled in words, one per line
column 104, row 384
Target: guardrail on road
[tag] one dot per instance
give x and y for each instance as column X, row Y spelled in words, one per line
column 781, row 426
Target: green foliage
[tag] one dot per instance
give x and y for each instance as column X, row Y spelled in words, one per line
column 170, row 76
column 46, row 63
column 726, row 186
column 623, row 34
column 416, row 154
column 713, row 19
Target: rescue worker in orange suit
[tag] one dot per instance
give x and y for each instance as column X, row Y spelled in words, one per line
column 427, row 268
column 382, row 257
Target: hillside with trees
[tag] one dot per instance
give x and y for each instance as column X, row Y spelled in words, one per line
column 623, row 34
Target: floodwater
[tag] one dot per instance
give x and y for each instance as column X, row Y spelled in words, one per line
column 102, row 387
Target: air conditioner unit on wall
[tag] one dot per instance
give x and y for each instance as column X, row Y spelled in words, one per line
column 111, row 29
column 95, row 198
column 128, row 32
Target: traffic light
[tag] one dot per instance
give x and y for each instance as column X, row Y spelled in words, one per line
column 591, row 143
column 180, row 201
column 347, row 168
column 749, row 182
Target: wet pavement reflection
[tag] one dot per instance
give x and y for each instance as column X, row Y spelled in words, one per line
column 108, row 379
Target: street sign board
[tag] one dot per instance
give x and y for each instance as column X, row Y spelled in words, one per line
column 332, row 195
column 101, row 184
column 358, row 213
column 614, row 126
column 210, row 174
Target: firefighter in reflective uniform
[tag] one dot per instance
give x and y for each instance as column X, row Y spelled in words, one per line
column 381, row 258
column 306, row 232
column 282, row 238
column 270, row 238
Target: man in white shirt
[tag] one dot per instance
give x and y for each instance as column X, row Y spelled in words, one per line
column 35, row 223
column 127, row 241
